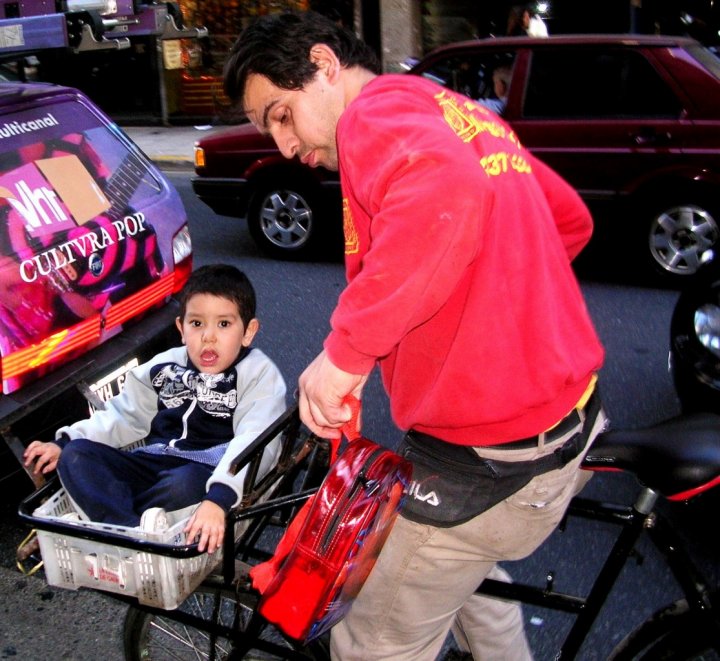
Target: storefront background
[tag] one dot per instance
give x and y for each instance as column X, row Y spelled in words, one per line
column 179, row 81
column 197, row 89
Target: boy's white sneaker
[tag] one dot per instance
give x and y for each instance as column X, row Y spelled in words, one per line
column 154, row 520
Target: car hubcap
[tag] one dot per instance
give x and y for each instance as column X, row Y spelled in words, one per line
column 286, row 219
column 679, row 237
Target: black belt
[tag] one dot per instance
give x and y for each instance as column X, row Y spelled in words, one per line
column 562, row 428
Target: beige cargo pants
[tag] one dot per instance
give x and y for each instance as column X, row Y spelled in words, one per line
column 424, row 581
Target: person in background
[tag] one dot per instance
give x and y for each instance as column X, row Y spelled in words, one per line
column 196, row 406
column 524, row 21
column 501, row 77
column 536, row 26
column 458, row 251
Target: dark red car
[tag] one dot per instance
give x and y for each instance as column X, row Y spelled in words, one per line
column 631, row 121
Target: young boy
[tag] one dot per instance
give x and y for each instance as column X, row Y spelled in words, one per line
column 196, row 406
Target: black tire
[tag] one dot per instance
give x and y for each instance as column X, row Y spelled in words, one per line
column 674, row 633
column 694, row 359
column 159, row 636
column 284, row 218
column 680, row 230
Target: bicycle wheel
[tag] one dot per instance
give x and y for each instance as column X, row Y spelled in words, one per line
column 675, row 633
column 212, row 623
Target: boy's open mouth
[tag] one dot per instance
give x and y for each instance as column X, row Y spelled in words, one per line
column 208, row 357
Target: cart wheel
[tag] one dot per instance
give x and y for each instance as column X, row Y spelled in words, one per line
column 212, row 623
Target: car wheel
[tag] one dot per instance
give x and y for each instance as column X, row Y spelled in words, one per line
column 694, row 342
column 679, row 235
column 283, row 220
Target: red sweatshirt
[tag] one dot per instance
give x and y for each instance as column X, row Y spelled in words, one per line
column 458, row 245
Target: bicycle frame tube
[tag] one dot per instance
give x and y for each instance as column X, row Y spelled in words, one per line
column 684, row 570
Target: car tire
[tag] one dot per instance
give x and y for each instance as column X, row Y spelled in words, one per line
column 680, row 231
column 693, row 359
column 284, row 219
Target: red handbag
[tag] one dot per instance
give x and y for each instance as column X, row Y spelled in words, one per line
column 331, row 545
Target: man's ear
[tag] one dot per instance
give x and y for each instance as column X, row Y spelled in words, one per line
column 324, row 58
column 178, row 323
column 250, row 332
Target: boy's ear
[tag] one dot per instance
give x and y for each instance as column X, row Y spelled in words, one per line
column 178, row 323
column 252, row 328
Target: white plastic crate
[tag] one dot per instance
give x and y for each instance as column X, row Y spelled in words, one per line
column 71, row 562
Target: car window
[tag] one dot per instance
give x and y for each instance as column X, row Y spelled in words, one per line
column 707, row 57
column 589, row 83
column 469, row 74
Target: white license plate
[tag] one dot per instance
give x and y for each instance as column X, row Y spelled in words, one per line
column 111, row 384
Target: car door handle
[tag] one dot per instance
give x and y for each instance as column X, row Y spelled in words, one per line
column 647, row 136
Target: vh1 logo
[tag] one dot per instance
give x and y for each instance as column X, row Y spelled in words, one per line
column 53, row 194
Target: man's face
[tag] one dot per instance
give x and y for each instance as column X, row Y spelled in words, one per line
column 302, row 122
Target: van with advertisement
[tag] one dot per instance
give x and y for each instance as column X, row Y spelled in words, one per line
column 94, row 244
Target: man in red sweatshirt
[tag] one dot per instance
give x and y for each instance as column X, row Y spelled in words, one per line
column 458, row 244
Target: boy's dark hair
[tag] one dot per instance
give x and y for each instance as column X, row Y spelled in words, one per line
column 221, row 280
column 278, row 46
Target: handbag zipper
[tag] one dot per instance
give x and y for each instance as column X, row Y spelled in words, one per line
column 360, row 482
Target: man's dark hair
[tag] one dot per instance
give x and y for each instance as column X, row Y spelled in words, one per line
column 224, row 281
column 278, row 46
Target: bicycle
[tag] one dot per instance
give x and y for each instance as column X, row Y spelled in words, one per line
column 677, row 460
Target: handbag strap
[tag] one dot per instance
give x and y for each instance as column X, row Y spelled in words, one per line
column 350, row 430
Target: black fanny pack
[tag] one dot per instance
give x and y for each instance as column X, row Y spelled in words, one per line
column 451, row 484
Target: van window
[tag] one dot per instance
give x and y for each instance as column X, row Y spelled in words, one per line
column 67, row 150
column 590, row 83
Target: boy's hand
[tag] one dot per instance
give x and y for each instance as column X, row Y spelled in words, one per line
column 45, row 456
column 207, row 523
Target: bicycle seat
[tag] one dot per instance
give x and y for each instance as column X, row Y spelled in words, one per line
column 679, row 458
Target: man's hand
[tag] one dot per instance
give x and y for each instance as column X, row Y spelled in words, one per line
column 45, row 456
column 208, row 525
column 323, row 389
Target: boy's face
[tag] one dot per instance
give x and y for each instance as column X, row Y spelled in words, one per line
column 213, row 332
column 302, row 122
